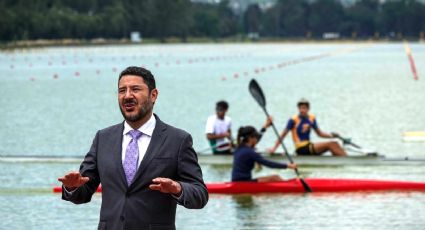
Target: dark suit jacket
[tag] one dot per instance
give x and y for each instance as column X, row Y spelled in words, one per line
column 169, row 154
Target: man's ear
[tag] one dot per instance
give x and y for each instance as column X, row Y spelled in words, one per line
column 154, row 95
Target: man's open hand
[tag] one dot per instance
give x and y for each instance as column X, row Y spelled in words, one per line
column 166, row 185
column 73, row 180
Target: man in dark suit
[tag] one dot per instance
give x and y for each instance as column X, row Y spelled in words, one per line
column 146, row 167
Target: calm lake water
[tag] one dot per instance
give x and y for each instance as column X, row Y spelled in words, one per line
column 53, row 100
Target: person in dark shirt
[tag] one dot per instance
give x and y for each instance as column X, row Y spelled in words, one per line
column 245, row 156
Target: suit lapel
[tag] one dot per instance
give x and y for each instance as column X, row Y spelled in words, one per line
column 117, row 152
column 158, row 137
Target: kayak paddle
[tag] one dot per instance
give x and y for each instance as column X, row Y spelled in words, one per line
column 359, row 149
column 257, row 93
column 213, row 147
column 346, row 141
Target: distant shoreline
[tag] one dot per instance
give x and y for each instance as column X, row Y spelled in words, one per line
column 43, row 43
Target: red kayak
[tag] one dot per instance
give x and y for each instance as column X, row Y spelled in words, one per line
column 316, row 184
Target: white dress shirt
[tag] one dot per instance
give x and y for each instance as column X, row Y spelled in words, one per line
column 142, row 142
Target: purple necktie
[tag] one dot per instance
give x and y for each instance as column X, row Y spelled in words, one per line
column 132, row 156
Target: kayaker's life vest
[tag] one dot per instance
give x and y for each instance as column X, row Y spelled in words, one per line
column 300, row 128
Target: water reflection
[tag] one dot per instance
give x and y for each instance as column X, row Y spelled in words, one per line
column 243, row 201
column 246, row 210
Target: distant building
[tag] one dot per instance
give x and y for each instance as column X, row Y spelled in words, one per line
column 206, row 1
column 135, row 37
column 239, row 6
column 254, row 36
column 330, row 35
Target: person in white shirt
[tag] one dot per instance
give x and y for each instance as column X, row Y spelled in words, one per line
column 218, row 130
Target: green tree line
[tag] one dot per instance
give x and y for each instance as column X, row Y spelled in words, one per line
column 161, row 19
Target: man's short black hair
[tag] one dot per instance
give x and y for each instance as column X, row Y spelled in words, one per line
column 147, row 76
column 222, row 105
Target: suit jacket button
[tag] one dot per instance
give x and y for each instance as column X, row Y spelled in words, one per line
column 122, row 218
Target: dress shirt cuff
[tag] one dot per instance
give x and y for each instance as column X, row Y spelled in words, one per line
column 179, row 199
column 68, row 192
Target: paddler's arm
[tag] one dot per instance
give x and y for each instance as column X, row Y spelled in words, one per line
column 261, row 160
column 212, row 136
column 322, row 134
column 232, row 141
column 267, row 124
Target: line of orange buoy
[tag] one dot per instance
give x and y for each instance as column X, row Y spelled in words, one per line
column 411, row 60
column 192, row 60
column 296, row 61
column 74, row 61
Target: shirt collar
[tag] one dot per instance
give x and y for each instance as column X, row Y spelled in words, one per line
column 146, row 128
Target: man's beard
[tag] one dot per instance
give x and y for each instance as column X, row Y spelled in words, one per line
column 145, row 109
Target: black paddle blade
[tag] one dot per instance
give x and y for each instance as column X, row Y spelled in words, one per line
column 305, row 185
column 257, row 93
